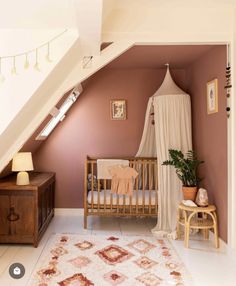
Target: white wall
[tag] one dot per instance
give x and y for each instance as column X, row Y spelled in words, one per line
column 108, row 6
column 169, row 21
column 17, row 89
column 232, row 147
column 89, row 23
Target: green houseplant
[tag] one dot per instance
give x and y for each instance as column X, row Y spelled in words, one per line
column 186, row 170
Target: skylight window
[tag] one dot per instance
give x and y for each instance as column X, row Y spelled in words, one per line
column 59, row 114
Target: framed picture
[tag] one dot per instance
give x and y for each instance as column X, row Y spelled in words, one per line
column 212, row 96
column 118, row 109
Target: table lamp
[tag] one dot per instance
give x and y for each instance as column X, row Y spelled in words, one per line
column 22, row 162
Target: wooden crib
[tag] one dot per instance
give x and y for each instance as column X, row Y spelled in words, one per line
column 99, row 201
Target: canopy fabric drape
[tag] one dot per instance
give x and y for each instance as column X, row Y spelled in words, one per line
column 147, row 146
column 172, row 130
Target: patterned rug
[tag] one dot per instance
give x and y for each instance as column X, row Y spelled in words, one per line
column 82, row 260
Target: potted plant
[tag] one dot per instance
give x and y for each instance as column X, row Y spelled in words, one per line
column 186, row 170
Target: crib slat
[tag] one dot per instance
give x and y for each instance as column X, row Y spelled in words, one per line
column 117, row 203
column 137, row 187
column 105, row 193
column 156, row 186
column 99, row 189
column 92, row 185
column 111, row 200
column 156, row 181
column 130, row 203
column 149, row 185
column 85, row 193
column 130, row 197
column 124, row 203
column 143, row 185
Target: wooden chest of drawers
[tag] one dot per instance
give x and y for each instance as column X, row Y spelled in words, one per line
column 25, row 211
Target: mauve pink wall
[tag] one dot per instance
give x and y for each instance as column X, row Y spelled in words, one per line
column 88, row 129
column 210, row 131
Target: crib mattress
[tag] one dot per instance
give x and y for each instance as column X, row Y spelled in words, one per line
column 152, row 194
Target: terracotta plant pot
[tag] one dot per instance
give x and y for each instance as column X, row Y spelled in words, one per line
column 189, row 193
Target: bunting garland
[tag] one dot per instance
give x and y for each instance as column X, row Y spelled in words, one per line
column 26, row 54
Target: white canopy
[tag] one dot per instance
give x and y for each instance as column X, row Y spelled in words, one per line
column 170, row 108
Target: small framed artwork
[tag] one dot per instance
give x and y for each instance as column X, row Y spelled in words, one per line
column 118, row 109
column 212, row 96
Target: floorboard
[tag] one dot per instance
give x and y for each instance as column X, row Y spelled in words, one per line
column 207, row 265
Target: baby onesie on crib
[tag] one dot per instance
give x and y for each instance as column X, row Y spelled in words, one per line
column 122, row 179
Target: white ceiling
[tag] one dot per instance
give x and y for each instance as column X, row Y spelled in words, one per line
column 25, row 24
column 84, row 16
column 37, row 14
column 47, row 14
column 57, row 14
column 188, row 3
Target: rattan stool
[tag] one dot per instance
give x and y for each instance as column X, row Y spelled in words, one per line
column 188, row 217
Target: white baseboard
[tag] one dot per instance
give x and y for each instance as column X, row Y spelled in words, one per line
column 69, row 212
column 224, row 247
column 222, row 243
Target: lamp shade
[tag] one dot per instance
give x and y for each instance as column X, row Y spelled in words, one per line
column 22, row 161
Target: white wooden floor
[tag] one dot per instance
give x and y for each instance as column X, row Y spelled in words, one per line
column 208, row 266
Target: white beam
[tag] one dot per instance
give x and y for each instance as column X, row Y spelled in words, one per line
column 66, row 75
column 89, row 23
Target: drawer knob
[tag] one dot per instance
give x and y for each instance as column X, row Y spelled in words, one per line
column 12, row 215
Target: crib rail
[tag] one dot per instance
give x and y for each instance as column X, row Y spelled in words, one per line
column 98, row 200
